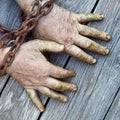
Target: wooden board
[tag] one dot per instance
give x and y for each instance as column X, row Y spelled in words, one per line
column 114, row 112
column 20, row 106
column 98, row 84
column 9, row 17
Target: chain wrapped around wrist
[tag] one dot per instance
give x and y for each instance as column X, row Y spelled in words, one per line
column 18, row 35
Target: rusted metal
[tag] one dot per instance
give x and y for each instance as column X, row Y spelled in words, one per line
column 19, row 34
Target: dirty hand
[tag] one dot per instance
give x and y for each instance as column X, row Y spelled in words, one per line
column 64, row 27
column 32, row 70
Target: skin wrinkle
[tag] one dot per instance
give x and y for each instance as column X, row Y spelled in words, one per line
column 33, row 69
column 60, row 26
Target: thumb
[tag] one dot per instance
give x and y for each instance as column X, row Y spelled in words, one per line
column 49, row 46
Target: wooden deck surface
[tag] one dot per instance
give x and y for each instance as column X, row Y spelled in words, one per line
column 98, row 95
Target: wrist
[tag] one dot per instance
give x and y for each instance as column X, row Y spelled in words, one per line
column 3, row 52
column 26, row 5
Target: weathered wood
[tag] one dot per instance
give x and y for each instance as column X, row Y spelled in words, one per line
column 8, row 21
column 8, row 9
column 3, row 80
column 97, row 84
column 114, row 112
column 14, row 104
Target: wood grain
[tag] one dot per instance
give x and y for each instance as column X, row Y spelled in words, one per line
column 8, row 17
column 98, row 84
column 3, row 80
column 14, row 103
column 114, row 112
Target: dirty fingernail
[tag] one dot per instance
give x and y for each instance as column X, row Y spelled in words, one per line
column 94, row 61
column 72, row 73
column 108, row 36
column 74, row 88
column 101, row 16
column 107, row 51
column 65, row 99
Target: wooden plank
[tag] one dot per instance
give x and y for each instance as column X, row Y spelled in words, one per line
column 97, row 84
column 14, row 98
column 114, row 112
column 7, row 11
column 3, row 80
column 15, row 105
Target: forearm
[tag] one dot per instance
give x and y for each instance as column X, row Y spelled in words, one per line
column 27, row 5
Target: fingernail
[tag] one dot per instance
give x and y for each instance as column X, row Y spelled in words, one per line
column 107, row 51
column 74, row 88
column 72, row 73
column 42, row 109
column 108, row 36
column 94, row 61
column 65, row 99
column 101, row 16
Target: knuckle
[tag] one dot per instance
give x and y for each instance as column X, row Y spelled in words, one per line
column 79, row 53
column 47, row 92
column 58, row 86
column 89, row 44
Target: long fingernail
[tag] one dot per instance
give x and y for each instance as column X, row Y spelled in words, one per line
column 108, row 36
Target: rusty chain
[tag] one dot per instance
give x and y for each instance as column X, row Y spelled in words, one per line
column 19, row 34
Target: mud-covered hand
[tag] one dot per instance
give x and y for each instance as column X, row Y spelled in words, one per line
column 63, row 26
column 32, row 70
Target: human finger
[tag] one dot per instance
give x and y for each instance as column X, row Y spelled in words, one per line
column 88, row 44
column 93, row 32
column 49, row 46
column 59, row 72
column 80, row 54
column 58, row 85
column 35, row 99
column 87, row 17
column 52, row 94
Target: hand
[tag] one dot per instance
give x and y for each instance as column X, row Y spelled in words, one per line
column 64, row 27
column 32, row 70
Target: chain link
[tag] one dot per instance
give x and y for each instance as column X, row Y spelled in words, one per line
column 19, row 34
